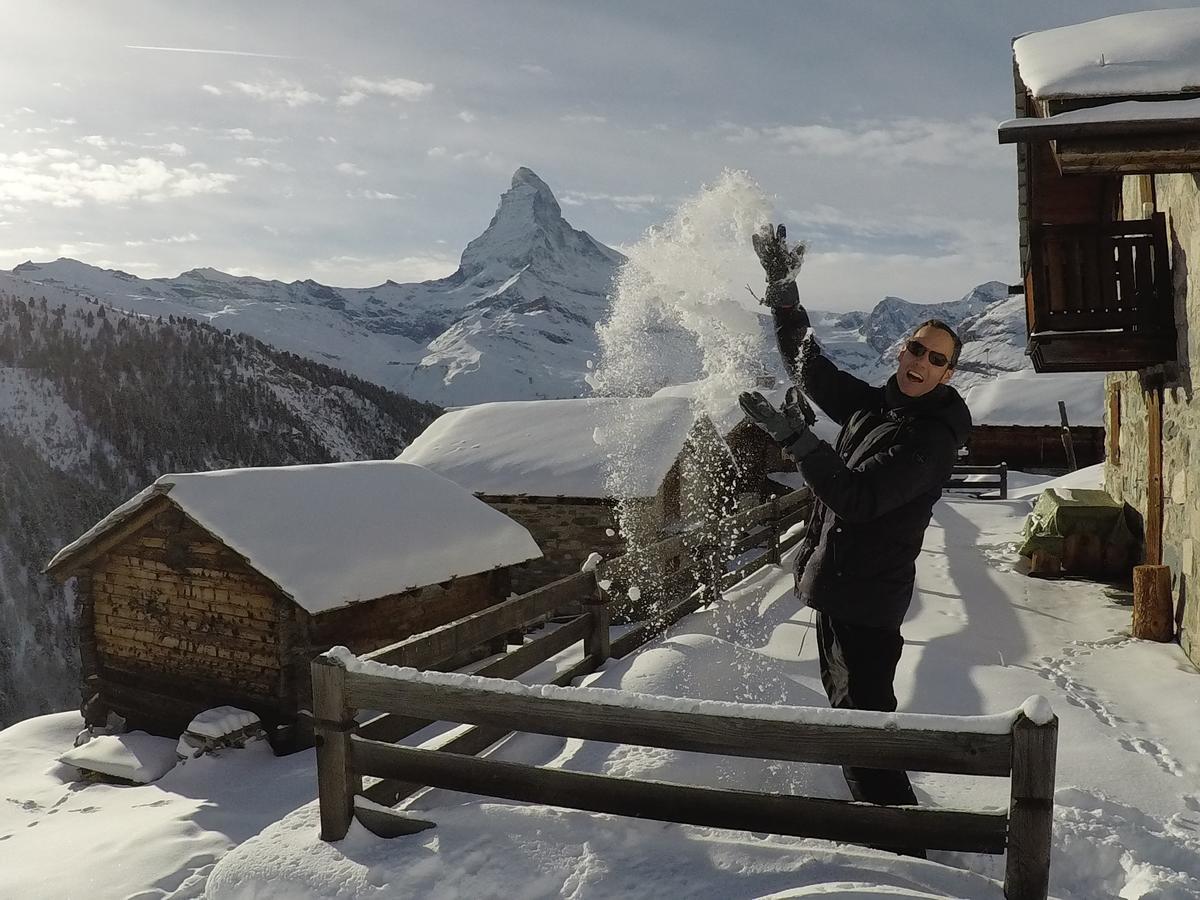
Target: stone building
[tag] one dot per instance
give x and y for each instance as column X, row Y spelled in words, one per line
column 562, row 467
column 1108, row 153
column 218, row 588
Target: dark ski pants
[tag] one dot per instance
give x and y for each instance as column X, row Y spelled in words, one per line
column 858, row 665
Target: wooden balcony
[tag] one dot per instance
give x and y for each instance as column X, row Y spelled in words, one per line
column 1098, row 296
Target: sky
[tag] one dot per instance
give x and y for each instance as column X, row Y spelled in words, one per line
column 360, row 141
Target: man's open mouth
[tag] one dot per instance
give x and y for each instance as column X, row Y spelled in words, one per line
column 914, row 377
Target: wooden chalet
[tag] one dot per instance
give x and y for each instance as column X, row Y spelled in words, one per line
column 218, row 588
column 1108, row 154
column 560, row 467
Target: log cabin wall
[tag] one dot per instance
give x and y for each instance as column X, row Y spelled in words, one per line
column 1126, row 477
column 173, row 607
column 1033, row 448
column 567, row 529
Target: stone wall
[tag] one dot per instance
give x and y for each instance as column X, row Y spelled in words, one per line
column 1126, row 477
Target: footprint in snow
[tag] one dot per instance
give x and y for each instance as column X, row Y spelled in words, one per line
column 1156, row 751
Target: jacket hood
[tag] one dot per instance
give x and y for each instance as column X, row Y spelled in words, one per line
column 943, row 404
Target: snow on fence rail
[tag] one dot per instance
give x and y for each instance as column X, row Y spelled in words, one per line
column 959, row 481
column 1021, row 744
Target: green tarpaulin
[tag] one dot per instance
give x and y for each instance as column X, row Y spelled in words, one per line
column 1061, row 512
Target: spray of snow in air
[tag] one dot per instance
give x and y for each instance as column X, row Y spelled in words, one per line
column 681, row 314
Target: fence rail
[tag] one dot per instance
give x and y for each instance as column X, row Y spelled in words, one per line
column 959, row 481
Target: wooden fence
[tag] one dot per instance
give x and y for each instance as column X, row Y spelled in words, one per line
column 348, row 751
column 752, row 537
column 1026, row 754
column 958, row 480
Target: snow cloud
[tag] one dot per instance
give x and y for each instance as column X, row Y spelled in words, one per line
column 283, row 91
column 358, row 89
column 32, row 179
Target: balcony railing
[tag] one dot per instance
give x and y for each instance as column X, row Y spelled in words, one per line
column 1098, row 296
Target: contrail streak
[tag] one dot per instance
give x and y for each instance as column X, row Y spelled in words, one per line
column 201, row 50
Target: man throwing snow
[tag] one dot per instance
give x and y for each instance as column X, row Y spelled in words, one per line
column 874, row 494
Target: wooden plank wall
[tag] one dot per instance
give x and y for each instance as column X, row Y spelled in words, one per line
column 173, row 599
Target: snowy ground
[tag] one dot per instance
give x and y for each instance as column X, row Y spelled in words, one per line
column 981, row 637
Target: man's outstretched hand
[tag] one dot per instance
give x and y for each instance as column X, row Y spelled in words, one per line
column 781, row 261
column 789, row 426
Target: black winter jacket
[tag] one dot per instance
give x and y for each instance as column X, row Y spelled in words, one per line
column 875, row 491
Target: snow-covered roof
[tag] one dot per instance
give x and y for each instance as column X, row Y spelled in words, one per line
column 331, row 535
column 1109, row 118
column 1151, row 52
column 557, row 448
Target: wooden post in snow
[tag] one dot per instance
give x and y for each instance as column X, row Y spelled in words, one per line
column 1031, row 809
column 1068, row 441
column 1153, row 618
column 334, row 721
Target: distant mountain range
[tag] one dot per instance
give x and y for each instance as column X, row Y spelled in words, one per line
column 516, row 320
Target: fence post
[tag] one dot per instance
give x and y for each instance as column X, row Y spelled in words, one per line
column 337, row 782
column 773, row 526
column 1031, row 809
column 1003, row 481
column 596, row 643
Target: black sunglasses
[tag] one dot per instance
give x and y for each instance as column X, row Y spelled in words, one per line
column 917, row 349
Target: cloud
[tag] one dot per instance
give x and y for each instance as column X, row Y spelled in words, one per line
column 487, row 158
column 370, row 194
column 212, row 89
column 39, row 178
column 257, row 162
column 289, row 93
column 583, row 119
column 365, row 271
column 969, row 143
column 625, row 202
column 535, row 69
column 188, row 238
column 466, row 116
column 358, row 89
column 349, row 168
column 245, row 134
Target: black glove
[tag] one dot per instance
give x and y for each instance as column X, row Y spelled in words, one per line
column 781, row 262
column 794, row 400
column 787, row 426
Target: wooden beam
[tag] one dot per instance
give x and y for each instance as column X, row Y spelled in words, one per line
column 424, row 650
column 1133, row 131
column 337, row 782
column 393, row 727
column 470, row 742
column 728, row 734
column 834, row 820
column 1154, row 479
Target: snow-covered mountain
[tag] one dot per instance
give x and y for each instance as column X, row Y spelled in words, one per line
column 515, row 320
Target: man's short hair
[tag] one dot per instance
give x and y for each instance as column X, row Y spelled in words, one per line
column 938, row 323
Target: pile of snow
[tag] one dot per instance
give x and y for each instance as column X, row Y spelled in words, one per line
column 335, row 534
column 1027, row 398
column 136, row 756
column 221, row 726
